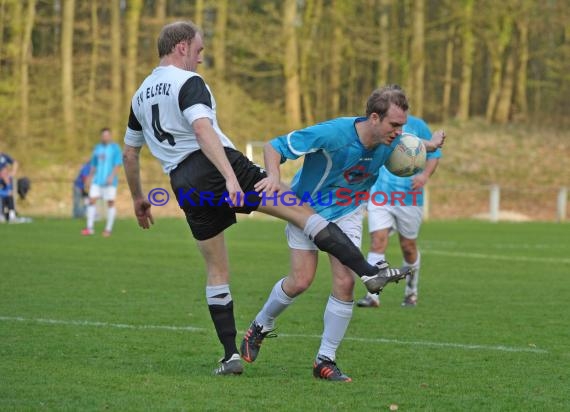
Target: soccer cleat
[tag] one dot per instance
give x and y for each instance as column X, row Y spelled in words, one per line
column 232, row 366
column 252, row 340
column 410, row 301
column 87, row 232
column 385, row 274
column 369, row 301
column 106, row 233
column 324, row 368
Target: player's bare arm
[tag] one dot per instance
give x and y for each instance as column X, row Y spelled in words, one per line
column 437, row 141
column 272, row 183
column 212, row 147
column 420, row 180
column 132, row 171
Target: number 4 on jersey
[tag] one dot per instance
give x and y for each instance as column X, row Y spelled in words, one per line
column 159, row 133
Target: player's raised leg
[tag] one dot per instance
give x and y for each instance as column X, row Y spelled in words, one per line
column 283, row 294
column 220, row 302
column 328, row 237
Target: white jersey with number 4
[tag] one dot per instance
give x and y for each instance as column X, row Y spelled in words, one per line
column 163, row 110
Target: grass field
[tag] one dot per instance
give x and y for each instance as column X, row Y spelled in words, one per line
column 121, row 323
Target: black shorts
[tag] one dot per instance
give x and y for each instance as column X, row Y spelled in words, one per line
column 201, row 192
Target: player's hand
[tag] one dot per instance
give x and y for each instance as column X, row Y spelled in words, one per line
column 419, row 181
column 142, row 212
column 269, row 185
column 235, row 194
column 438, row 138
column 110, row 181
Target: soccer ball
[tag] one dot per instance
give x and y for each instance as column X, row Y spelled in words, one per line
column 408, row 157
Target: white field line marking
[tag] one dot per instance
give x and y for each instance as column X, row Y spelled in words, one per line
column 499, row 348
column 497, row 257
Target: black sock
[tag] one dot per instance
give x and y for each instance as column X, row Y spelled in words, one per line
column 223, row 318
column 334, row 241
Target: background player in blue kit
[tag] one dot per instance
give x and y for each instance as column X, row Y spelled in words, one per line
column 344, row 153
column 106, row 161
column 406, row 220
column 8, row 170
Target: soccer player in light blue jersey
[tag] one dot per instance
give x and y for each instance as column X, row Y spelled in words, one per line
column 106, row 161
column 404, row 217
column 342, row 158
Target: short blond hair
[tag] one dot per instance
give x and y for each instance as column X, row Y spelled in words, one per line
column 174, row 33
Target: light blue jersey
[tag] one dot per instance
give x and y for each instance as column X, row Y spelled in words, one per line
column 337, row 167
column 389, row 183
column 105, row 158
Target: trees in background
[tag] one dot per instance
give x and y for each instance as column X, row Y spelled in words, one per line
column 284, row 63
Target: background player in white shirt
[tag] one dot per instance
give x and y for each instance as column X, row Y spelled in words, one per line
column 174, row 113
column 405, row 219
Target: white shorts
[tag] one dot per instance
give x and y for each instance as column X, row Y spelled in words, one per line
column 350, row 224
column 406, row 220
column 106, row 192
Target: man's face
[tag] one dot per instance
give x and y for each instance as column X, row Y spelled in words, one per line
column 387, row 129
column 192, row 53
column 106, row 137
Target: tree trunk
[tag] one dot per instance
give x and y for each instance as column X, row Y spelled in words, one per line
column 2, row 18
column 417, row 57
column 406, row 79
column 290, row 66
column 93, row 64
column 504, row 104
column 67, row 21
column 496, row 47
column 116, row 93
column 384, row 40
column 311, row 19
column 24, row 74
column 337, row 51
column 133, row 22
column 448, row 77
column 467, row 61
column 199, row 14
column 219, row 42
column 521, row 96
column 13, row 51
column 160, row 12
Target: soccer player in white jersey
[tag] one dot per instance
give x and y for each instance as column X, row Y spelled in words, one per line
column 342, row 158
column 174, row 113
column 405, row 218
column 106, row 162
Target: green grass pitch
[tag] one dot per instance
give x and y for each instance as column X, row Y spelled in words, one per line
column 121, row 323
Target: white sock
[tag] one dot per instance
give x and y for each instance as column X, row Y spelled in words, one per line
column 412, row 281
column 315, row 223
column 374, row 257
column 91, row 210
column 213, row 294
column 111, row 213
column 337, row 317
column 11, row 214
column 277, row 302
